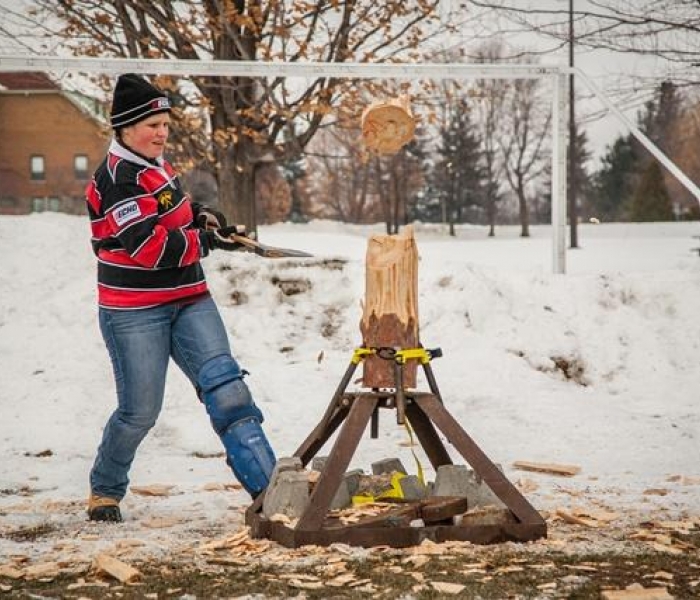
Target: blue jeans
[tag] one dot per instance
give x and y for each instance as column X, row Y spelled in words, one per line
column 140, row 344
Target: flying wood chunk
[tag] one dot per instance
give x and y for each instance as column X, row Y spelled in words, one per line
column 116, row 568
column 552, row 469
column 390, row 311
column 388, row 125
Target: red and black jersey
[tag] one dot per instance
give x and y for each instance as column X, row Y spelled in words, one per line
column 147, row 248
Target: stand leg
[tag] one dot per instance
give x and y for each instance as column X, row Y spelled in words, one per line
column 481, row 463
column 432, row 382
column 320, row 435
column 337, row 463
column 427, row 436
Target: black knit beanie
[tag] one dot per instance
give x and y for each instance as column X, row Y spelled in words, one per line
column 134, row 100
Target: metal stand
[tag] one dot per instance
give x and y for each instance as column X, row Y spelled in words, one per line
column 425, row 412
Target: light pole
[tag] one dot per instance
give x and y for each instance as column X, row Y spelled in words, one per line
column 573, row 212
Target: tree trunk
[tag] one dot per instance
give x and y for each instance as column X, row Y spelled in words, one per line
column 524, row 213
column 236, row 180
column 390, row 311
column 491, row 212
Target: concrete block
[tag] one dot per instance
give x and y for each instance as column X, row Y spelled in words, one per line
column 459, row 480
column 318, row 463
column 342, row 498
column 388, row 465
column 482, row 494
column 352, row 480
column 287, row 494
column 286, row 463
column 412, row 488
column 452, row 480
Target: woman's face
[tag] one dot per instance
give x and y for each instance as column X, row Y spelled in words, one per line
column 148, row 137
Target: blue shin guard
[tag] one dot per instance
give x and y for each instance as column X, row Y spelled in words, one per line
column 249, row 454
column 237, row 421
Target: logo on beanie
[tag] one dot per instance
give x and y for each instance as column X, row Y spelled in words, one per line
column 160, row 104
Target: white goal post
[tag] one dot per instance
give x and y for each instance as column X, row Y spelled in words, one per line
column 558, row 75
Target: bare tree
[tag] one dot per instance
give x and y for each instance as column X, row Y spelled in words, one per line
column 338, row 181
column 523, row 142
column 489, row 98
column 241, row 119
column 666, row 29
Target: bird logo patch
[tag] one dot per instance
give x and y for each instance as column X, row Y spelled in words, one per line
column 165, row 199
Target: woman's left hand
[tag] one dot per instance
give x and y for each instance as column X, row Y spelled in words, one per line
column 209, row 218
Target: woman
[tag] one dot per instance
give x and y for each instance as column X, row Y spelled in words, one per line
column 154, row 304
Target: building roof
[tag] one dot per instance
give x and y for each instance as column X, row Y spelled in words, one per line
column 26, row 81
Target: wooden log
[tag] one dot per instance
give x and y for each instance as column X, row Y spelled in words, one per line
column 388, row 125
column 390, row 310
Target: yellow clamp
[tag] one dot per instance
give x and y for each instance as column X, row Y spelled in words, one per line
column 360, row 354
column 412, row 353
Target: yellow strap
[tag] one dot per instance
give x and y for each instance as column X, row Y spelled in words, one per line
column 360, row 353
column 419, row 467
column 413, row 353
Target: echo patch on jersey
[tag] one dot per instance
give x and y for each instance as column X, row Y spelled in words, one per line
column 125, row 213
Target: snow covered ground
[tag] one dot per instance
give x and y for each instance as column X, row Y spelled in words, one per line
column 624, row 321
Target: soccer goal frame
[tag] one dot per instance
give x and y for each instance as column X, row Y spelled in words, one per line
column 558, row 75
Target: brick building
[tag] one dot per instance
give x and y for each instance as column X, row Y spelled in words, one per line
column 51, row 141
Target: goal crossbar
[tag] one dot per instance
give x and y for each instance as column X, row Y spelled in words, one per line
column 557, row 74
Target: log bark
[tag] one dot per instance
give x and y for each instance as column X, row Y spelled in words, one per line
column 390, row 310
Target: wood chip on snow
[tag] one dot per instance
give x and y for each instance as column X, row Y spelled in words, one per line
column 636, row 592
column 42, row 570
column 550, row 468
column 157, row 489
column 445, row 587
column 10, row 572
column 116, row 568
column 575, row 519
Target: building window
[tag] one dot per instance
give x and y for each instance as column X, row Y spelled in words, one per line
column 37, row 168
column 38, row 204
column 80, row 164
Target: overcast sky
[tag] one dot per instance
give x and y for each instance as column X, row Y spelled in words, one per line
column 608, row 70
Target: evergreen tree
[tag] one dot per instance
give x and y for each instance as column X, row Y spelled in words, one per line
column 614, row 181
column 661, row 114
column 584, row 184
column 458, row 178
column 651, row 201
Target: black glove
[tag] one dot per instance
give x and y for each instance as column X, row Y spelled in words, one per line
column 220, row 238
column 208, row 218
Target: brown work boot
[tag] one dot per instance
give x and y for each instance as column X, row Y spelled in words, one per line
column 103, row 508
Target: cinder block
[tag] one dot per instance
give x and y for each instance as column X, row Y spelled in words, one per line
column 452, row 480
column 352, row 480
column 459, row 480
column 287, row 494
column 412, row 488
column 318, row 463
column 286, row 463
column 483, row 495
column 388, row 465
column 342, row 498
